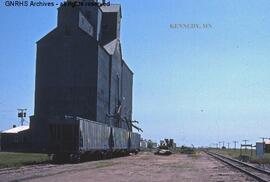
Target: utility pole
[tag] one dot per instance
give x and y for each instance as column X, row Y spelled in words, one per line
column 22, row 115
column 223, row 142
column 263, row 138
column 219, row 144
column 245, row 144
column 228, row 145
column 235, row 142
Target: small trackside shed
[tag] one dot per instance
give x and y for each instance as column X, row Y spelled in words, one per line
column 16, row 139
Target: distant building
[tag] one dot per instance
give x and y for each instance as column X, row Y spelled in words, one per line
column 168, row 142
column 143, row 144
column 147, row 144
column 259, row 149
column 262, row 148
column 15, row 139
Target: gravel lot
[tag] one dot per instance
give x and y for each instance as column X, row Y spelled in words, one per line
column 141, row 167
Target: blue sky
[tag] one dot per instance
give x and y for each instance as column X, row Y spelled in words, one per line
column 197, row 86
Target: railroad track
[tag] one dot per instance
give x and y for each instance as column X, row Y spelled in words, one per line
column 256, row 173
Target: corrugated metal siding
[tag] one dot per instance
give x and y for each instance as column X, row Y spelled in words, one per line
column 135, row 140
column 95, row 136
column 259, row 149
column 120, row 137
column 115, row 89
column 126, row 90
column 103, row 89
column 58, row 92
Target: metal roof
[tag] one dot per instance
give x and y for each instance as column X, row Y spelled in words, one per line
column 111, row 46
column 111, row 8
column 16, row 129
column 265, row 141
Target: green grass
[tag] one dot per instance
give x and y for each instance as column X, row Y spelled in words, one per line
column 194, row 155
column 11, row 159
column 104, row 164
column 185, row 150
column 234, row 153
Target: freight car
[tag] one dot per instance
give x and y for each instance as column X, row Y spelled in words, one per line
column 77, row 138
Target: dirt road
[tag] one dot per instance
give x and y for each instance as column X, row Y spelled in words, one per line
column 142, row 167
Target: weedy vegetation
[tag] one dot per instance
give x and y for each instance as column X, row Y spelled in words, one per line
column 104, row 164
column 248, row 154
column 12, row 159
column 186, row 150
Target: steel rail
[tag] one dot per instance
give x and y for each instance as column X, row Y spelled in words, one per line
column 244, row 163
column 231, row 162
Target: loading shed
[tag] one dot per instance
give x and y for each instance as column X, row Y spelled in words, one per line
column 15, row 139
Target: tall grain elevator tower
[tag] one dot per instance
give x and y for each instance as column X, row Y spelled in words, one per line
column 80, row 70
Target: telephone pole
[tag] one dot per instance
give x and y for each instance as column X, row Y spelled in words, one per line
column 219, row 144
column 235, row 142
column 245, row 144
column 263, row 138
column 22, row 115
column 228, row 145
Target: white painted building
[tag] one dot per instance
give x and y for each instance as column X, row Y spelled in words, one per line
column 143, row 144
